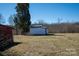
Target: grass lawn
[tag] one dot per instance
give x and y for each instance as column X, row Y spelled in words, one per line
column 65, row 44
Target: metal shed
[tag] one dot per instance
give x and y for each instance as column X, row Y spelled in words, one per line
column 38, row 30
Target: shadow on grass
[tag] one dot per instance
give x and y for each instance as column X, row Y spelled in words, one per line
column 55, row 35
column 45, row 35
column 1, row 54
column 9, row 46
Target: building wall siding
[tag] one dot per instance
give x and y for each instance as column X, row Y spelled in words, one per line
column 38, row 31
column 6, row 37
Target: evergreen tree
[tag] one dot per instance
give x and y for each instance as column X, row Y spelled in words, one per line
column 23, row 16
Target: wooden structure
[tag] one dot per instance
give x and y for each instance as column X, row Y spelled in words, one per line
column 6, row 37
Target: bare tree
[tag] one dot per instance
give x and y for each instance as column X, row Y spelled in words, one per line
column 2, row 21
column 11, row 20
column 42, row 22
column 59, row 20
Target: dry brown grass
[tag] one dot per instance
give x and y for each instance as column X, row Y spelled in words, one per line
column 66, row 44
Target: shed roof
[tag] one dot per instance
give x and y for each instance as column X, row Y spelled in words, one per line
column 6, row 26
column 38, row 26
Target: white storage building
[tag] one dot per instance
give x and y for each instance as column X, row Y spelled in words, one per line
column 38, row 30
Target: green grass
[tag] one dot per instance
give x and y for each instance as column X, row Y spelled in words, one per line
column 65, row 44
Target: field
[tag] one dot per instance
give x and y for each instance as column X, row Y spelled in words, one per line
column 65, row 44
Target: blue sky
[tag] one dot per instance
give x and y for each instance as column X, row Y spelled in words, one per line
column 7, row 9
column 48, row 12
